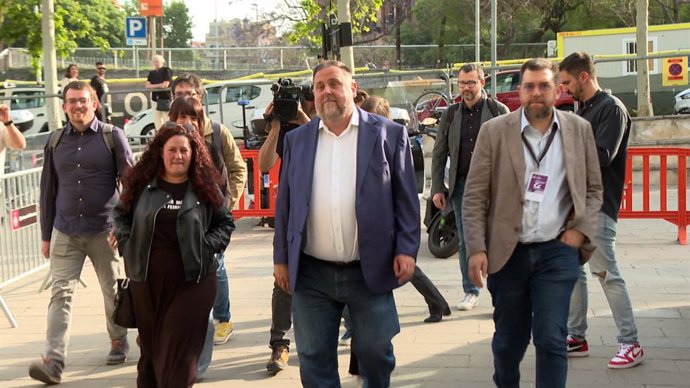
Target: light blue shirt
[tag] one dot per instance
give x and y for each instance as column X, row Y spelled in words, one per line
column 545, row 220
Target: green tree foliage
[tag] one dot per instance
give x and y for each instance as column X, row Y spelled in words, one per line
column 107, row 23
column 307, row 16
column 177, row 25
column 21, row 27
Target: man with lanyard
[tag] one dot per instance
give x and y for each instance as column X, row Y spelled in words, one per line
column 457, row 135
column 529, row 208
column 611, row 124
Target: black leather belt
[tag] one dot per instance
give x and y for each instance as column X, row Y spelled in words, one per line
column 337, row 264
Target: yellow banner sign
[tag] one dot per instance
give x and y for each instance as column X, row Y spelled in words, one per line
column 675, row 71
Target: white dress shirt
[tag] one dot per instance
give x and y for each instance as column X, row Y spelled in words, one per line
column 544, row 221
column 332, row 222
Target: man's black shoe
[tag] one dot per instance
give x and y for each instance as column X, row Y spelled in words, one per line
column 433, row 318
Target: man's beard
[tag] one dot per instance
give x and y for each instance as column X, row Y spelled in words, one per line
column 537, row 113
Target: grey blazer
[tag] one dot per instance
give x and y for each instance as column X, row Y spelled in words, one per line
column 448, row 143
column 495, row 189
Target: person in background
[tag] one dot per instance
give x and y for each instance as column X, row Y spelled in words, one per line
column 171, row 221
column 10, row 136
column 99, row 84
column 529, row 209
column 189, row 111
column 226, row 157
column 437, row 304
column 329, row 251
column 79, row 188
column 611, row 124
column 160, row 78
column 360, row 96
column 281, row 302
column 458, row 129
column 71, row 74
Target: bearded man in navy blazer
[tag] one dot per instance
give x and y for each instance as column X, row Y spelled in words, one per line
column 347, row 230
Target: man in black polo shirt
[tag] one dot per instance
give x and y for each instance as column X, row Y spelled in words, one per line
column 611, row 124
column 457, row 134
column 160, row 78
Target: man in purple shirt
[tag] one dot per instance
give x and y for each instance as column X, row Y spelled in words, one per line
column 78, row 192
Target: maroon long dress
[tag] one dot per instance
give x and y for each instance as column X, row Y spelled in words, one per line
column 172, row 314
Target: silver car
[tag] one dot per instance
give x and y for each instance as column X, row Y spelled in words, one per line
column 229, row 93
column 682, row 102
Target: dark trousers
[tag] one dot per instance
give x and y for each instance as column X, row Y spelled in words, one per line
column 281, row 317
column 531, row 295
column 432, row 296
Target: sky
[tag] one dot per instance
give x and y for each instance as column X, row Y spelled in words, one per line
column 202, row 12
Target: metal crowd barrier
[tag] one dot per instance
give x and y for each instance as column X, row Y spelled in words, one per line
column 665, row 209
column 20, row 239
column 251, row 205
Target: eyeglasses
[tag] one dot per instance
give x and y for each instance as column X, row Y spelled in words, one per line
column 189, row 93
column 101, row 68
column 543, row 87
column 471, row 84
column 74, row 101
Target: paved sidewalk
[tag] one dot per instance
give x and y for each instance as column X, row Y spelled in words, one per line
column 453, row 353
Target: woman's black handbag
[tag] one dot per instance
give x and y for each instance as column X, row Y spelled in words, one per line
column 123, row 314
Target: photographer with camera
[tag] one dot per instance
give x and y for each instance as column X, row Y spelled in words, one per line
column 292, row 106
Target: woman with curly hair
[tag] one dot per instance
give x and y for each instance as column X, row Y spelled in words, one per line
column 170, row 222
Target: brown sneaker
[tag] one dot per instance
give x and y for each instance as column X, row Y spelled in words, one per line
column 47, row 371
column 278, row 360
column 118, row 352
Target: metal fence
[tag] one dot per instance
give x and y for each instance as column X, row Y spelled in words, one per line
column 273, row 58
column 20, row 239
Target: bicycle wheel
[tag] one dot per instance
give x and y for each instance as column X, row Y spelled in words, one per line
column 430, row 104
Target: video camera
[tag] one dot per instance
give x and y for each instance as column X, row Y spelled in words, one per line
column 286, row 97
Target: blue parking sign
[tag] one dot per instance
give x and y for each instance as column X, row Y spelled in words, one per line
column 135, row 31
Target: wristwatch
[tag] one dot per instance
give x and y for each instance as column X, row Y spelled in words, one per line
column 7, row 124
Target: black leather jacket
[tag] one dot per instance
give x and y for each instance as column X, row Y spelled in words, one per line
column 202, row 232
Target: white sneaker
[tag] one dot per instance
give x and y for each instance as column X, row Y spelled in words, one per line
column 471, row 301
column 628, row 356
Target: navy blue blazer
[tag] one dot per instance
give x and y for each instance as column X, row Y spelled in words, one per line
column 387, row 206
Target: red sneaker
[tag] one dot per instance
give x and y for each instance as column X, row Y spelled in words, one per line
column 628, row 356
column 577, row 347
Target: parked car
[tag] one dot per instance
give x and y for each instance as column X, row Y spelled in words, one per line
column 23, row 119
column 227, row 92
column 35, row 104
column 682, row 105
column 506, row 92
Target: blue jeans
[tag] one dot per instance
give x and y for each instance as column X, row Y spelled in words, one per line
column 604, row 261
column 221, row 306
column 458, row 192
column 207, row 350
column 322, row 292
column 531, row 294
